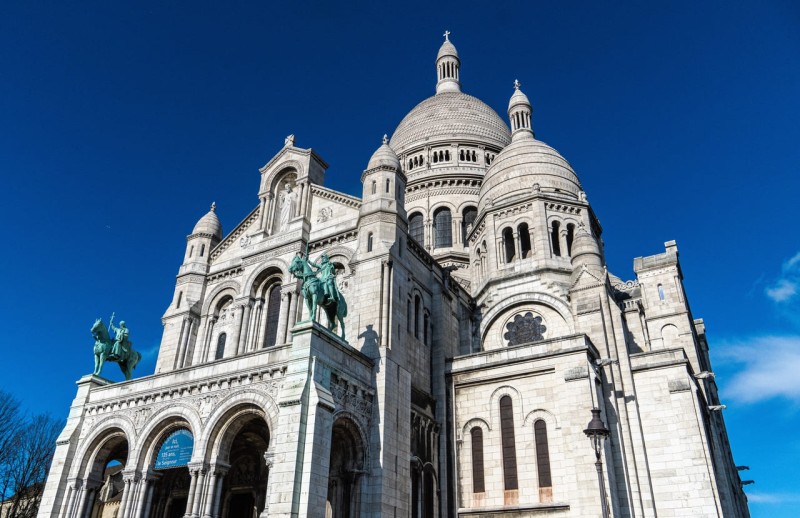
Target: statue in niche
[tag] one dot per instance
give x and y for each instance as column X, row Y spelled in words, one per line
column 288, row 201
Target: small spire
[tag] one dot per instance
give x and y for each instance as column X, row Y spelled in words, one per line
column 385, row 138
column 446, row 35
column 517, row 84
column 213, row 206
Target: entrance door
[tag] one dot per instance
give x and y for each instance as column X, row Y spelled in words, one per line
column 241, row 505
column 177, row 508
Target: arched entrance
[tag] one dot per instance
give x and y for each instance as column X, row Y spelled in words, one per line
column 105, row 475
column 171, row 481
column 345, row 471
column 243, row 446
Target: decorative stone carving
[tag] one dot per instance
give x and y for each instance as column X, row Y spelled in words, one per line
column 245, row 241
column 324, row 214
column 525, row 329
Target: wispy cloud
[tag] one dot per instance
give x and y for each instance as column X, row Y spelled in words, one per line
column 772, row 498
column 785, row 288
column 769, row 369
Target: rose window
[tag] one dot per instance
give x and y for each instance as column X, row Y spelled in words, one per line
column 524, row 329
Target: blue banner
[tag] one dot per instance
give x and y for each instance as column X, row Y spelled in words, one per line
column 176, row 450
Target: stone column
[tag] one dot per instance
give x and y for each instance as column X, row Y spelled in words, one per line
column 500, row 252
column 457, row 231
column 128, row 480
column 214, row 490
column 91, row 495
column 194, row 471
column 149, row 482
column 562, row 239
column 517, row 246
column 269, row 460
column 233, row 347
column 283, row 317
column 73, row 498
column 199, row 489
column 255, row 324
column 292, row 312
column 532, row 237
column 246, row 307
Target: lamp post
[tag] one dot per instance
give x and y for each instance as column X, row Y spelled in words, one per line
column 597, row 432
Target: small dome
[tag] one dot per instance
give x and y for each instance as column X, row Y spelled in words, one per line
column 384, row 156
column 528, row 164
column 447, row 49
column 518, row 97
column 209, row 224
column 584, row 244
column 449, row 116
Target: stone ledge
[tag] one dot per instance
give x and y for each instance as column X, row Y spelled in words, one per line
column 658, row 359
column 515, row 511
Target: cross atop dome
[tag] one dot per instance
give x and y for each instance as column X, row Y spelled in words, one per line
column 447, row 67
column 517, row 84
column 213, row 206
column 446, row 35
column 385, row 138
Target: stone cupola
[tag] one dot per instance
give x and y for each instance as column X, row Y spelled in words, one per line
column 447, row 67
column 207, row 234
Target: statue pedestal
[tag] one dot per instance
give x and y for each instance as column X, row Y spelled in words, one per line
column 91, row 379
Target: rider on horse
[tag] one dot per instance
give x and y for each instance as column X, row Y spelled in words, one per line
column 327, row 276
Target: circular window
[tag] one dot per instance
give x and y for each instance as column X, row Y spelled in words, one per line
column 524, row 328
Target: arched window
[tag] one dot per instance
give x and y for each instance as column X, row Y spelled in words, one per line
column 180, row 298
column 191, row 251
column 461, row 155
column 416, row 316
column 467, row 219
column 554, row 238
column 374, row 186
column 435, row 157
column 410, row 164
column 524, row 240
column 570, row 237
column 273, row 315
column 447, row 155
column 409, row 316
column 509, row 446
column 369, row 242
column 416, row 229
column 508, row 244
column 478, row 485
column 220, row 346
column 202, row 250
column 474, row 157
column 443, row 227
column 543, row 461
column 661, row 295
column 388, row 184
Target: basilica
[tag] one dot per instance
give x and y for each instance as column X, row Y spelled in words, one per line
column 450, row 343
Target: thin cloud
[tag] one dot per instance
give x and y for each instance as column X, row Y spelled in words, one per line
column 785, row 288
column 772, row 498
column 770, row 367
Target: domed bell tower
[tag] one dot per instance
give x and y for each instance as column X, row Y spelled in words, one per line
column 182, row 318
column 447, row 66
column 383, row 199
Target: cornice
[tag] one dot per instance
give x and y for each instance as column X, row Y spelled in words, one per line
column 234, row 235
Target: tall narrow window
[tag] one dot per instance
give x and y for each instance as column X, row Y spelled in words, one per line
column 508, row 244
column 220, row 346
column 524, row 240
column 661, row 295
column 478, row 485
column 202, row 250
column 273, row 315
column 443, row 226
column 554, row 238
column 369, row 242
column 509, row 446
column 180, row 298
column 467, row 220
column 191, row 250
column 543, row 461
column 409, row 316
column 374, row 186
column 416, row 229
column 416, row 316
column 425, row 324
column 388, row 184
column 570, row 237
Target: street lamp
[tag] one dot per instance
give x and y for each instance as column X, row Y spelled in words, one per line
column 597, row 432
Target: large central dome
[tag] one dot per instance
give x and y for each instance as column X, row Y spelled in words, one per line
column 450, row 115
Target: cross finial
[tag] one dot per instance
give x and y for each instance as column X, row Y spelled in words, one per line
column 213, row 206
column 446, row 35
column 385, row 138
column 516, row 84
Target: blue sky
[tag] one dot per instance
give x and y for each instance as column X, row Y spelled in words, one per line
column 121, row 123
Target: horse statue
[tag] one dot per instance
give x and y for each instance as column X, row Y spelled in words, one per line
column 108, row 349
column 321, row 291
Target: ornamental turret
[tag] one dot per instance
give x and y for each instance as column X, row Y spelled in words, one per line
column 519, row 112
column 384, row 186
column 448, row 67
column 207, row 234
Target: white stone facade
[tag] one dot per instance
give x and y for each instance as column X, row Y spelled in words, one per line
column 482, row 328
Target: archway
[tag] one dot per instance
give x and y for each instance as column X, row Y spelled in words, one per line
column 169, row 492
column 345, row 471
column 106, row 470
column 243, row 446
